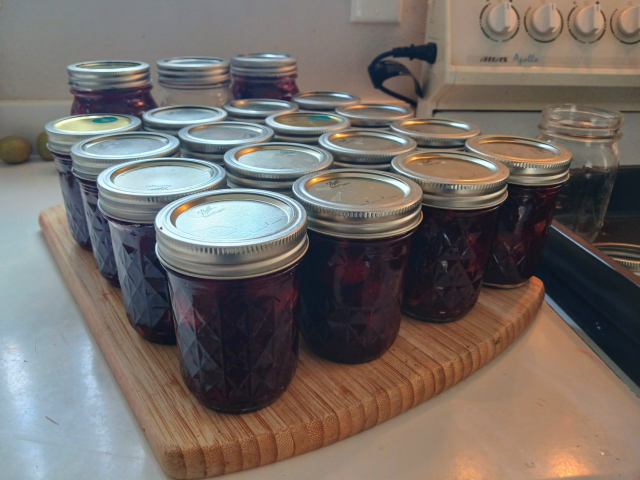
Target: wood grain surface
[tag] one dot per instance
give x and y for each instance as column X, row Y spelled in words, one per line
column 325, row 403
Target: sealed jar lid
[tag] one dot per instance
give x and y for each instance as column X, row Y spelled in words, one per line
column 530, row 161
column 189, row 72
column 324, row 100
column 374, row 114
column 109, row 74
column 90, row 157
column 263, row 64
column 436, row 132
column 456, row 180
column 274, row 165
column 231, row 233
column 357, row 146
column 359, row 203
column 258, row 109
column 64, row 132
column 627, row 255
column 222, row 136
column 137, row 191
column 171, row 119
column 306, row 124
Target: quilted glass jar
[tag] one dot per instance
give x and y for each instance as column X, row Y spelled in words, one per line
column 264, row 75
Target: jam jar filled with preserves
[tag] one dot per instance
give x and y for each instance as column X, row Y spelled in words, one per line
column 90, row 158
column 324, row 101
column 111, row 86
column 538, row 170
column 360, row 227
column 436, row 133
column 264, row 75
column 361, row 148
column 273, row 166
column 375, row 115
column 305, row 127
column 232, row 260
column 131, row 194
column 62, row 134
column 256, row 110
column 171, row 120
column 451, row 247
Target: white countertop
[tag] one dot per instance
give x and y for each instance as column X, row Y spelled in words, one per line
column 547, row 407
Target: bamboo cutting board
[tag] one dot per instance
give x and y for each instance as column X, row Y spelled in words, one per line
column 326, row 402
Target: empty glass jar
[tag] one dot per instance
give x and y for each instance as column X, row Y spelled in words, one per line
column 264, row 75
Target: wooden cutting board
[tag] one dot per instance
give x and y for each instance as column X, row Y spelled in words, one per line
column 326, row 402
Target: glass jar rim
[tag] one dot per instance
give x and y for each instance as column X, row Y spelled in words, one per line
column 581, row 121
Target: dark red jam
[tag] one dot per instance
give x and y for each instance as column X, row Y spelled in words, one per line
column 449, row 253
column 238, row 338
column 282, row 87
column 128, row 101
column 143, row 281
column 72, row 200
column 523, row 224
column 351, row 292
column 99, row 232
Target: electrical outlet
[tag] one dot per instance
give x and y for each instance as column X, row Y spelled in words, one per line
column 376, row 11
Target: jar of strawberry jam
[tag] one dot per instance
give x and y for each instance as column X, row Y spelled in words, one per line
column 232, row 260
column 538, row 172
column 172, row 119
column 90, row 158
column 62, row 134
column 264, row 75
column 360, row 227
column 131, row 194
column 449, row 252
column 305, row 127
column 111, row 86
column 436, row 133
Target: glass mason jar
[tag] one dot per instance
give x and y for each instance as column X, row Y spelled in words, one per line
column 375, row 115
column 324, row 101
column 62, row 134
column 210, row 141
column 538, row 170
column 256, row 110
column 131, row 194
column 360, row 226
column 305, row 127
column 273, row 166
column 361, row 148
column 232, row 261
column 111, row 86
column 449, row 252
column 436, row 133
column 194, row 81
column 264, row 75
column 90, row 157
column 591, row 135
column 172, row 119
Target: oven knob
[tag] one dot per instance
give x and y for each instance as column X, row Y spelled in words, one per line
column 589, row 21
column 546, row 20
column 502, row 19
column 629, row 21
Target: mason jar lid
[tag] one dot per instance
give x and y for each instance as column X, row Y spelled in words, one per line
column 64, row 132
column 222, row 136
column 627, row 255
column 306, row 123
column 185, row 72
column 366, row 146
column 231, row 233
column 324, row 100
column 263, row 64
column 375, row 114
column 583, row 121
column 109, row 74
column 456, row 180
column 214, row 157
column 90, row 157
column 359, row 203
column 137, row 191
column 530, row 161
column 436, row 132
column 252, row 109
column 384, row 167
column 171, row 119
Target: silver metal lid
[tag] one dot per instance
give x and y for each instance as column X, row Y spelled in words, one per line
column 254, row 109
column 324, row 100
column 530, row 161
column 193, row 72
column 64, row 132
column 384, row 167
column 171, row 119
column 231, row 233
column 263, row 64
column 305, row 139
column 137, row 191
column 359, row 203
column 90, row 157
column 436, row 132
column 456, row 180
column 222, row 136
column 214, row 157
column 306, row 123
column 627, row 255
column 375, row 114
column 366, row 146
column 109, row 74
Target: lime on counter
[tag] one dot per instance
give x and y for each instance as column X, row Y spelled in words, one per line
column 41, row 146
column 14, row 149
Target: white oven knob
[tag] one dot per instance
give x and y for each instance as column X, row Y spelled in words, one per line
column 546, row 20
column 629, row 21
column 502, row 19
column 589, row 21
